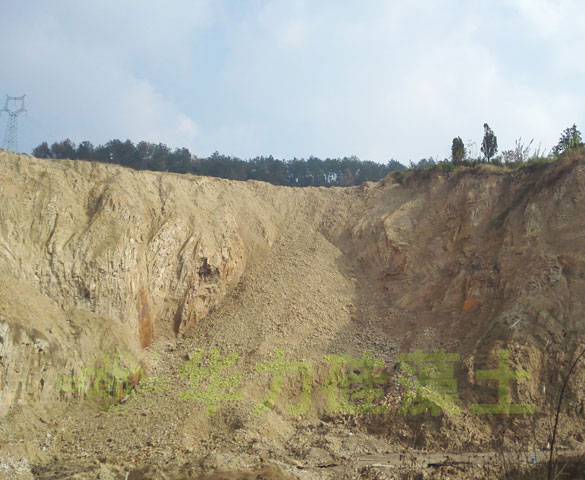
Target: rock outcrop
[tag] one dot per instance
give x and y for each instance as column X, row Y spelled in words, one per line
column 146, row 253
column 97, row 258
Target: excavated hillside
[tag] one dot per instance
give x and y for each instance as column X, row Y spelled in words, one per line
column 126, row 297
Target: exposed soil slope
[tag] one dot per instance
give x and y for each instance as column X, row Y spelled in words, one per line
column 98, row 258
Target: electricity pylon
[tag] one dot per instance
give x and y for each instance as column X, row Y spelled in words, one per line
column 11, row 133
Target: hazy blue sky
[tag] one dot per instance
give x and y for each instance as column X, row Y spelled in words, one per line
column 379, row 79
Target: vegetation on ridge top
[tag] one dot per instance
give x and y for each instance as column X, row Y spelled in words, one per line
column 343, row 172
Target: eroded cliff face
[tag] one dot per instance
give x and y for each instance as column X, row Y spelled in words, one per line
column 43, row 348
column 99, row 258
column 462, row 258
column 132, row 247
column 151, row 254
column 481, row 254
column 474, row 262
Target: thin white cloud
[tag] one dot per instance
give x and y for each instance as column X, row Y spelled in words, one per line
column 82, row 79
column 143, row 113
column 546, row 16
column 285, row 22
column 293, row 78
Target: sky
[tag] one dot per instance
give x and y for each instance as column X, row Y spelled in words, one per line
column 380, row 79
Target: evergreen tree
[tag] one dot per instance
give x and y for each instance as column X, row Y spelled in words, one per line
column 489, row 145
column 64, row 149
column 570, row 139
column 313, row 171
column 457, row 151
column 394, row 166
column 85, row 151
column 42, row 151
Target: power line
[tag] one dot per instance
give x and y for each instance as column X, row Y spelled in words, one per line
column 48, row 134
column 11, row 133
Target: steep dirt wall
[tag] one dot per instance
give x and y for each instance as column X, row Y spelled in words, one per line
column 135, row 247
column 144, row 254
column 149, row 254
column 480, row 260
column 481, row 252
column 44, row 348
column 97, row 256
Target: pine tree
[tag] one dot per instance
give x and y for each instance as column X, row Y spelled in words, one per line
column 570, row 139
column 457, row 151
column 42, row 151
column 489, row 145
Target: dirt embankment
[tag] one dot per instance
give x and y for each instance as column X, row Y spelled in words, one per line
column 98, row 258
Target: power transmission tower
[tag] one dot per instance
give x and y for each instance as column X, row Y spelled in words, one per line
column 11, row 133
